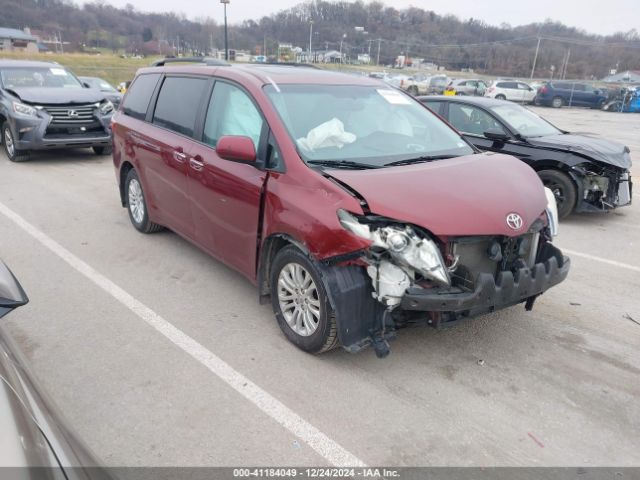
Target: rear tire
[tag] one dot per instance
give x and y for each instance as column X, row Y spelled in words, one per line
column 137, row 205
column 563, row 189
column 103, row 150
column 300, row 302
column 8, row 141
column 413, row 90
column 501, row 97
column 557, row 102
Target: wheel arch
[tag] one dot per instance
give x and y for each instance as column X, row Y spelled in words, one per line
column 268, row 251
column 125, row 168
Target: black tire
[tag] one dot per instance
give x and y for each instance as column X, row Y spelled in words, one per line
column 12, row 153
column 557, row 102
column 103, row 150
column 413, row 90
column 563, row 188
column 500, row 97
column 142, row 224
column 325, row 336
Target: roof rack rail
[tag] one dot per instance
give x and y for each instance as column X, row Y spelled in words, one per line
column 286, row 64
column 209, row 61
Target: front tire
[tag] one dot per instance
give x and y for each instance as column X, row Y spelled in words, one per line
column 501, row 97
column 563, row 189
column 8, row 141
column 413, row 90
column 137, row 205
column 300, row 302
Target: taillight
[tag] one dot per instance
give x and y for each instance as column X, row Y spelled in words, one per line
column 401, row 82
column 491, row 89
column 543, row 90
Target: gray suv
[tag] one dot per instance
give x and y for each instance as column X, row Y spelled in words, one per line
column 44, row 106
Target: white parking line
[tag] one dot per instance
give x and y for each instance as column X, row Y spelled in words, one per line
column 321, row 443
column 601, row 260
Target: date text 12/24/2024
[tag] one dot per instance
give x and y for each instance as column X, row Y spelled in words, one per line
column 319, row 473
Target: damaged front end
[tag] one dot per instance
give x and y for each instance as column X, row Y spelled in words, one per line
column 415, row 278
column 602, row 187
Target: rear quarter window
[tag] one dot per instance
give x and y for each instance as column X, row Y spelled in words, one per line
column 178, row 104
column 138, row 96
column 507, row 85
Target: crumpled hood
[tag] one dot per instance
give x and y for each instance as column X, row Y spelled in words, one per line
column 469, row 195
column 599, row 149
column 58, row 96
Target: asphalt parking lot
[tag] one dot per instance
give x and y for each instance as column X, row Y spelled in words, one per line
column 558, row 386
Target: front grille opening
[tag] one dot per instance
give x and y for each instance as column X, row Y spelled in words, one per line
column 71, row 114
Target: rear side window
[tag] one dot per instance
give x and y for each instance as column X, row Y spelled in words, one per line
column 178, row 104
column 137, row 99
column 507, row 85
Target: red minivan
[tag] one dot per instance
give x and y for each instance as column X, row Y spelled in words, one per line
column 353, row 208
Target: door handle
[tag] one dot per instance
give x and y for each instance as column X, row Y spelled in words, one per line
column 179, row 157
column 197, row 165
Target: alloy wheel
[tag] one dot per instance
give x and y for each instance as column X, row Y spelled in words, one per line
column 298, row 299
column 136, row 200
column 8, row 140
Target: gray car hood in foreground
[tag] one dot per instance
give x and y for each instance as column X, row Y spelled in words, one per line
column 32, row 432
column 57, row 96
column 598, row 149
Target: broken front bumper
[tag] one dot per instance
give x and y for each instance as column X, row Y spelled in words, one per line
column 490, row 293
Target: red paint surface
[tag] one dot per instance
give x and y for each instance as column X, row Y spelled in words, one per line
column 463, row 196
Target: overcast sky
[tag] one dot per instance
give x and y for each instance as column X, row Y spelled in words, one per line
column 603, row 17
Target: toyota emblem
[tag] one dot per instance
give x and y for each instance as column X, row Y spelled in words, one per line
column 72, row 113
column 514, row 221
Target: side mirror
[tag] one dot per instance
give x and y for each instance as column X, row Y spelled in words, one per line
column 86, row 85
column 496, row 134
column 12, row 295
column 236, row 149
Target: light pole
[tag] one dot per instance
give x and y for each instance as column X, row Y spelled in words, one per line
column 310, row 40
column 226, row 41
column 344, row 35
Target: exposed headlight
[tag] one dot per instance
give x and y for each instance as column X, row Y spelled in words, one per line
column 405, row 247
column 552, row 211
column 24, row 109
column 106, row 107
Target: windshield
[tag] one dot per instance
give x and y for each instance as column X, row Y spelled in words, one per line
column 100, row 84
column 370, row 125
column 524, row 121
column 51, row 77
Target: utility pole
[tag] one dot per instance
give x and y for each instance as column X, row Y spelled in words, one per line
column 310, row 39
column 226, row 40
column 535, row 58
column 378, row 58
column 566, row 65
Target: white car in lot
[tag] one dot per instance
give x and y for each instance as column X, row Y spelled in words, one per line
column 511, row 90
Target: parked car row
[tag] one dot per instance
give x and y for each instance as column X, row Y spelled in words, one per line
column 555, row 93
